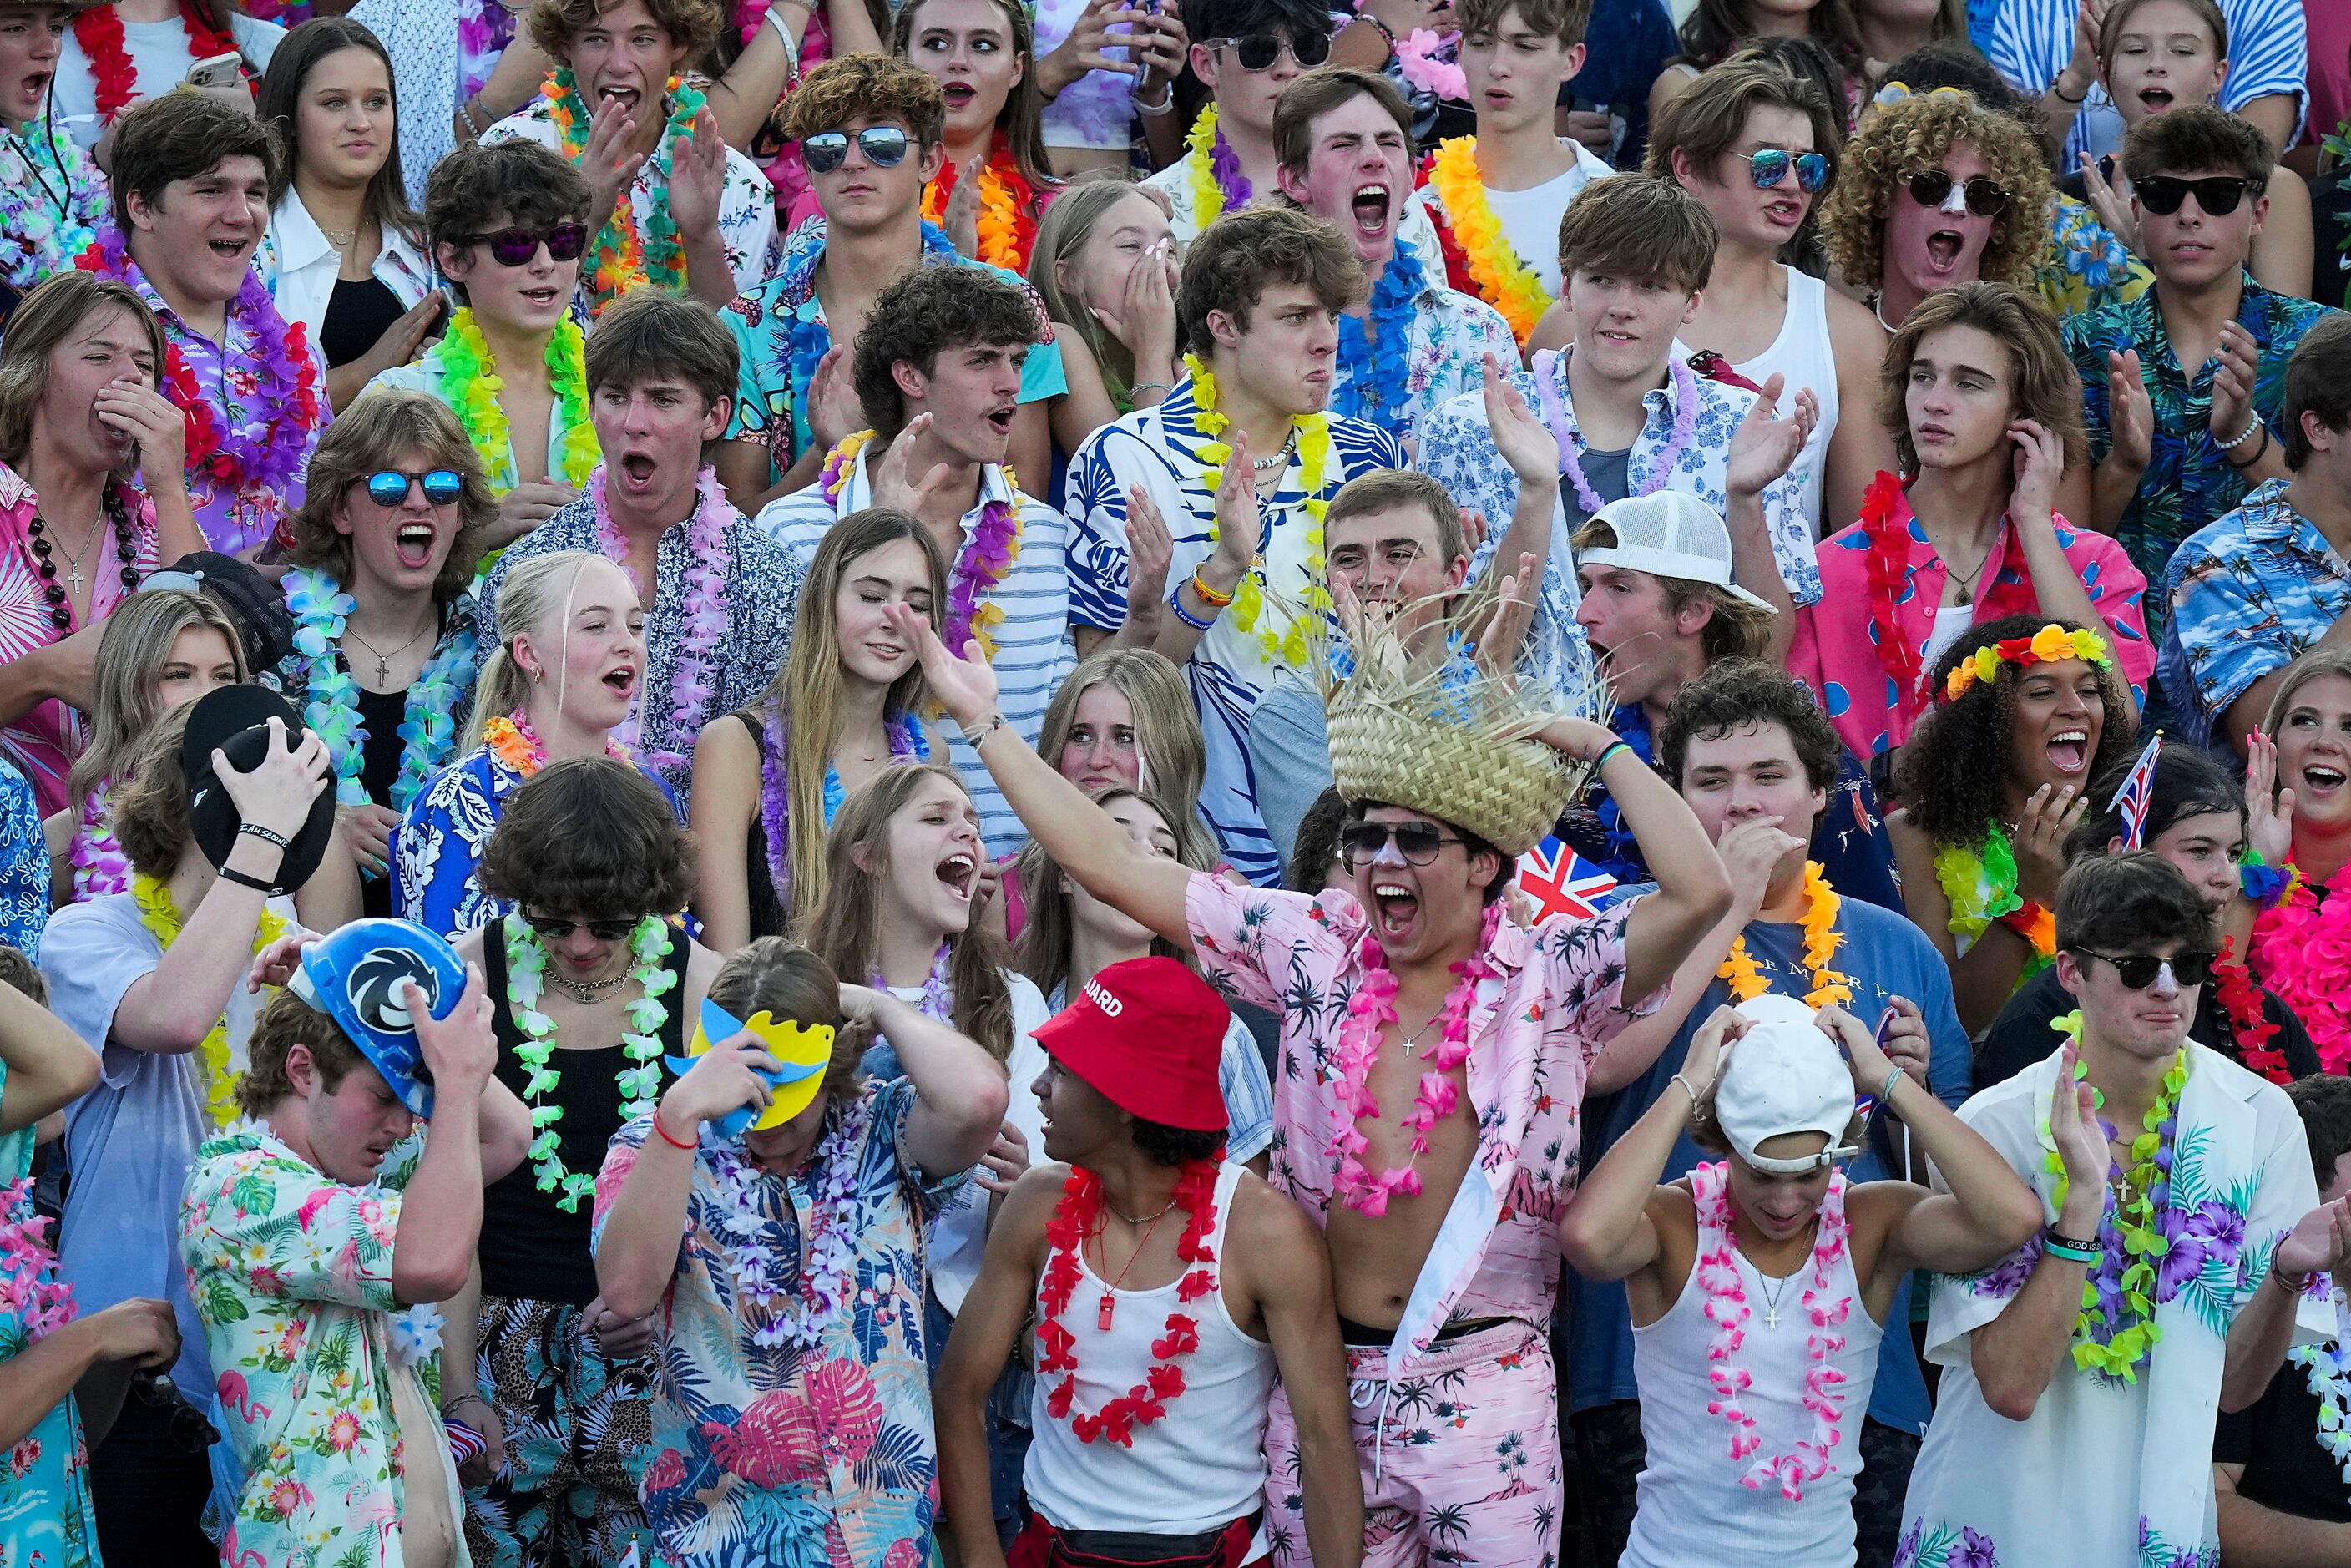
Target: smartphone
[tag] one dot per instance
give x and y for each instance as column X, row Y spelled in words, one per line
column 221, row 71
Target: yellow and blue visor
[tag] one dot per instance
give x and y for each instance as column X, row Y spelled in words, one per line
column 804, row 1050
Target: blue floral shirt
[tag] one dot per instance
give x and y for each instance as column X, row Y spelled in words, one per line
column 24, row 866
column 46, row 1515
column 52, row 202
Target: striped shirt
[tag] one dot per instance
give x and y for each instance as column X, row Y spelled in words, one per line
column 2269, row 53
column 1033, row 650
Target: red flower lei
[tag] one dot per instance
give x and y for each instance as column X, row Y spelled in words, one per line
column 99, row 31
column 1077, row 1216
column 1890, row 560
column 2248, row 1025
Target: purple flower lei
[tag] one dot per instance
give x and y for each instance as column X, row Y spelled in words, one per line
column 759, row 1271
column 484, row 29
column 692, row 680
column 1224, row 166
column 983, row 563
column 938, row 999
column 776, row 792
column 1550, row 368
column 99, row 865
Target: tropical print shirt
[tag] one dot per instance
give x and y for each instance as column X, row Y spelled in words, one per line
column 2189, row 481
column 45, row 1507
column 2086, row 266
column 772, row 1454
column 52, row 202
column 24, row 866
column 1438, row 356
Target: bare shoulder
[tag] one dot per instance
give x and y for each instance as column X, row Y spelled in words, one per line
column 1270, row 1225
column 469, row 945
column 1029, row 1207
column 1855, row 328
column 724, row 742
column 1872, row 1209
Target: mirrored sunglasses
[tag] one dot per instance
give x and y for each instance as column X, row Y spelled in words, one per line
column 389, row 487
column 1768, row 167
column 885, row 146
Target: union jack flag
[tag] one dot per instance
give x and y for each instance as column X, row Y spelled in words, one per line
column 1561, row 883
column 2138, row 794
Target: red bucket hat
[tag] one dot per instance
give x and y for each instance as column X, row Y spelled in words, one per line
column 1149, row 1035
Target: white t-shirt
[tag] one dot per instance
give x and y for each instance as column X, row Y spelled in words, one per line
column 159, row 54
column 1529, row 218
column 1951, row 623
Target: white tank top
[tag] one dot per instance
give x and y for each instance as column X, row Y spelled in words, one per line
column 1198, row 1468
column 1801, row 352
column 1692, row 1499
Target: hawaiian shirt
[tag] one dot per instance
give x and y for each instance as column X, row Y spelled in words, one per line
column 1442, row 356
column 52, row 202
column 1457, row 449
column 1157, row 450
column 1835, row 650
column 45, row 1507
column 2249, row 595
column 2189, row 481
column 2086, row 266
column 762, row 583
column 291, row 1272
column 24, row 866
column 1534, row 1031
column 780, row 334
column 44, row 740
column 772, row 1454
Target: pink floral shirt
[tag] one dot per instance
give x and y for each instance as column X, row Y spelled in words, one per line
column 1534, row 1031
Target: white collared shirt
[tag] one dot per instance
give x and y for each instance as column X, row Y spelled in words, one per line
column 300, row 265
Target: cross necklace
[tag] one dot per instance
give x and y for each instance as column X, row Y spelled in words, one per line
column 1771, row 1298
column 382, row 661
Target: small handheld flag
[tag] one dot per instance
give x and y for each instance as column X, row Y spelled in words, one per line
column 1563, row 883
column 2138, row 794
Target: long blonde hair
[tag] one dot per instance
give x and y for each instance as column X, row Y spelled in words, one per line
column 131, row 650
column 1171, row 754
column 534, row 597
column 1061, row 234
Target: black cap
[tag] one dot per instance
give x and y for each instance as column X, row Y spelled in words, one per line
column 263, row 622
column 234, row 720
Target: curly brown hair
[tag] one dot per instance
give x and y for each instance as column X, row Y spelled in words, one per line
column 921, row 316
column 1912, row 137
column 690, row 24
column 384, row 427
column 1953, row 775
column 287, row 1022
column 865, row 87
column 1741, row 694
column 2042, row 382
column 636, row 861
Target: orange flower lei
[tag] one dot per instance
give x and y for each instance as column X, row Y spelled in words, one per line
column 518, row 751
column 1008, row 206
column 1822, row 939
column 1503, row 280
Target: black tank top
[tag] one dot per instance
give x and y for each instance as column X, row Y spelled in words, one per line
column 767, row 910
column 530, row 1249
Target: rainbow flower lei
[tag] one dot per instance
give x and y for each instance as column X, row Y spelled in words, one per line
column 100, row 866
column 472, row 386
column 1214, row 171
column 1549, row 368
column 428, row 728
column 1008, row 206
column 980, row 566
column 625, row 257
column 1981, row 887
column 2051, row 645
column 693, row 678
column 2301, row 950
column 1502, row 280
column 516, row 747
column 1821, row 940
column 219, row 1075
column 1375, row 348
column 1289, row 645
column 30, row 1290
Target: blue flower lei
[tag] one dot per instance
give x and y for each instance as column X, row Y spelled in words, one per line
column 1623, row 860
column 428, row 729
column 807, row 339
column 1376, row 348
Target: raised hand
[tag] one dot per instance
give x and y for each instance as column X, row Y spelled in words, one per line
column 857, row 1004
column 963, row 683
column 277, row 794
column 2232, row 388
column 961, row 220
column 1160, row 44
column 1239, row 522
column 461, row 1051
column 698, row 178
column 1498, row 641
column 608, row 164
column 2040, row 841
column 1005, row 1161
column 154, row 423
column 2130, row 412
column 1150, row 551
column 2269, row 810
column 1143, row 317
column 1524, row 441
column 2040, row 465
column 2113, row 208
column 1709, row 1048
column 723, row 1080
column 1751, row 852
column 1083, row 50
column 275, row 964
column 1765, row 445
column 1908, row 1044
column 932, row 496
column 834, row 409
column 2081, row 1141
column 1871, row 1064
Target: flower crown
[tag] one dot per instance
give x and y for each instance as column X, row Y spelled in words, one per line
column 2051, row 645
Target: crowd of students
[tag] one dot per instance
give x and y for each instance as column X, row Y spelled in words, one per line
column 1523, row 783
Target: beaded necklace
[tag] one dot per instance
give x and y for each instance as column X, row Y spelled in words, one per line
column 126, row 550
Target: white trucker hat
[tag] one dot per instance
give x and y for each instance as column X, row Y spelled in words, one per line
column 1669, row 533
column 1785, row 1076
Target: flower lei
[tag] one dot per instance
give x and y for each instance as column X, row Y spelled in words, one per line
column 776, row 792
column 1822, row 939
column 1550, row 369
column 693, row 680
column 99, row 865
column 937, row 1001
column 2249, row 1024
column 1889, row 561
column 1289, row 645
column 1420, row 60
column 1371, row 1010
column 1375, row 348
column 1981, row 887
column 980, row 566
column 472, row 386
column 649, row 944
column 1501, row 279
column 516, row 747
column 1077, row 1216
column 30, row 1290
column 775, row 1315
column 485, row 27
column 625, row 257
column 428, row 729
column 2296, row 950
column 263, row 453
column 43, row 228
column 1214, row 171
column 1008, row 206
column 1727, row 1309
column 2053, row 644
column 162, row 921
column 2328, row 1369
column 99, row 33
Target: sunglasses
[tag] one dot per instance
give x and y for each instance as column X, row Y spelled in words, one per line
column 2136, row 971
column 389, row 487
column 1985, row 198
column 555, row 928
column 1418, row 843
column 1770, row 166
column 2218, row 194
column 885, row 146
column 1257, row 51
column 515, row 247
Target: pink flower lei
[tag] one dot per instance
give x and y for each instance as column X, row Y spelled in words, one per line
column 1550, row 368
column 99, row 865
column 1725, row 1307
column 693, row 681
column 29, row 1289
column 1372, row 1009
column 2302, row 950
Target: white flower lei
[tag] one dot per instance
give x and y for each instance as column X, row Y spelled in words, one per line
column 799, row 1319
column 2328, row 1367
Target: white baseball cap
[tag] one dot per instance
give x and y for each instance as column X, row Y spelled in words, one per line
column 1669, row 533
column 1785, row 1076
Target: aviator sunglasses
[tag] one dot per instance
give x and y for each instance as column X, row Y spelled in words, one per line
column 2136, row 971
column 515, row 247
column 389, row 487
column 1257, row 51
column 1418, row 843
column 2218, row 194
column 1985, row 198
column 555, row 928
column 885, row 146
column 1768, row 167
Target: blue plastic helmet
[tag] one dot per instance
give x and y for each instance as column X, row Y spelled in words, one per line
column 354, row 976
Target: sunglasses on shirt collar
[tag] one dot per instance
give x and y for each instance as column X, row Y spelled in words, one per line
column 885, row 146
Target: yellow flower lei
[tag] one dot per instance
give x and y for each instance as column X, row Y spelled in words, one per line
column 1503, row 280
column 1199, row 168
column 474, row 386
column 1822, row 939
column 1289, row 645
column 220, row 1080
column 2051, row 645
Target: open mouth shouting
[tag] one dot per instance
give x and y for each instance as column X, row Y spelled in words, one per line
column 2323, row 781
column 2069, row 750
column 1943, row 249
column 2155, row 99
column 615, row 99
column 958, row 871
column 1002, row 417
column 414, row 542
column 1396, row 907
column 637, row 471
column 1374, row 207
column 958, row 95
column 621, row 680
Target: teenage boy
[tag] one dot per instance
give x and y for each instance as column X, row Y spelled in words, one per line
column 1135, row 1126
column 1495, row 198
column 192, row 181
column 1343, row 139
column 1631, row 418
column 718, row 594
column 2080, row 1375
column 938, row 371
column 1756, row 144
column 2175, row 447
column 871, row 129
column 1756, row 762
column 1441, row 1216
column 2266, row 584
column 1224, row 470
column 317, row 1236
column 2277, row 1466
column 674, row 205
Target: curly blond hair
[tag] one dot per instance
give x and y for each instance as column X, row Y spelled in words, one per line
column 1913, row 136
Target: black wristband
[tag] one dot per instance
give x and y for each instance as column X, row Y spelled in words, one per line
column 2079, row 1246
column 243, row 879
column 1600, row 761
column 266, row 835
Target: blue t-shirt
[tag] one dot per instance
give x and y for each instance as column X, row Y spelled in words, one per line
column 1886, row 957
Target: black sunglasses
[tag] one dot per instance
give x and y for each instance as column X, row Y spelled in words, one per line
column 885, row 146
column 2218, row 194
column 389, row 487
column 1418, row 843
column 185, row 1425
column 515, row 247
column 1985, row 197
column 2136, row 971
column 555, row 928
column 1768, row 167
column 1257, row 51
